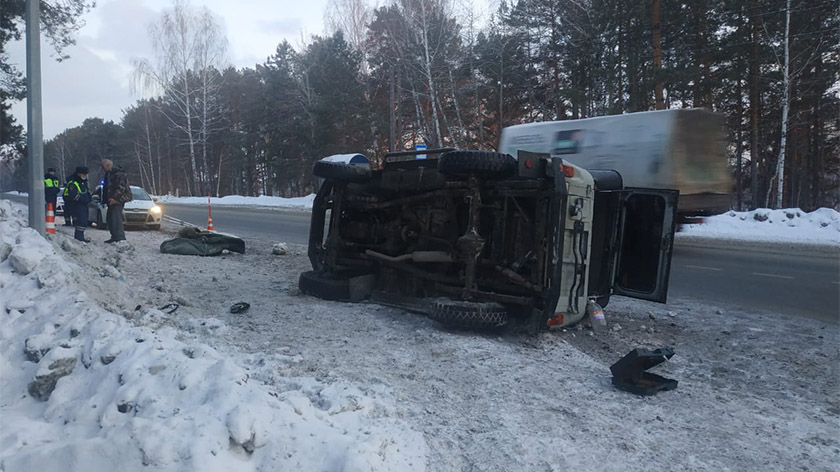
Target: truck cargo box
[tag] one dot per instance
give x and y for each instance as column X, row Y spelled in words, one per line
column 682, row 149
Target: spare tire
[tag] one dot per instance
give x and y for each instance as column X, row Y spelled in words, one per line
column 484, row 164
column 341, row 172
column 469, row 315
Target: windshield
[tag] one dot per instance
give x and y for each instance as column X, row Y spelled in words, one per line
column 139, row 194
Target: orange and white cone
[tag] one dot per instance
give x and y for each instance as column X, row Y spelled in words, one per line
column 209, row 216
column 50, row 219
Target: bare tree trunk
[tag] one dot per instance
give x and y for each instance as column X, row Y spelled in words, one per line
column 754, row 103
column 780, row 168
column 657, row 58
column 427, row 63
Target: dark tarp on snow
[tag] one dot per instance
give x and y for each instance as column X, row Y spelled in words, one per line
column 192, row 241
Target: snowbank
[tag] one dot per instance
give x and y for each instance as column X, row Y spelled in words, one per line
column 85, row 389
column 791, row 225
column 303, row 203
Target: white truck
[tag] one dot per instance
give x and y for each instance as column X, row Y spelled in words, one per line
column 680, row 149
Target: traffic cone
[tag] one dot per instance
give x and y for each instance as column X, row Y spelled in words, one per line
column 209, row 216
column 50, row 219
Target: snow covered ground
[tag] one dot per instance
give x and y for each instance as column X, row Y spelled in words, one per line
column 339, row 386
column 301, row 203
column 791, row 225
column 104, row 381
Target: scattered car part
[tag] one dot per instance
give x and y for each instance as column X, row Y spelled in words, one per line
column 169, row 308
column 629, row 372
column 240, row 307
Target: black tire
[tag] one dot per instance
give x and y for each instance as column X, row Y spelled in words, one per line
column 484, row 164
column 324, row 285
column 99, row 223
column 469, row 315
column 341, row 172
column 156, row 227
column 603, row 301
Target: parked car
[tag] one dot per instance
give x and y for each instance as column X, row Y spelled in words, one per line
column 59, row 203
column 142, row 211
column 483, row 239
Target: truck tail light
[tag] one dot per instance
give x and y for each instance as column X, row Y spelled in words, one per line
column 555, row 320
column 568, row 171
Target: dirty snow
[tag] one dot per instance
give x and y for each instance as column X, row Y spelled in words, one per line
column 104, row 381
column 300, row 203
column 757, row 391
column 791, row 225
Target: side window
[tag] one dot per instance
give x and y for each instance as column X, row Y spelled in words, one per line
column 568, row 142
column 640, row 250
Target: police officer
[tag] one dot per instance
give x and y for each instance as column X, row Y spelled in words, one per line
column 51, row 188
column 68, row 204
column 77, row 192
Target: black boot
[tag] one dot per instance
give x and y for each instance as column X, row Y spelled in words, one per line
column 80, row 236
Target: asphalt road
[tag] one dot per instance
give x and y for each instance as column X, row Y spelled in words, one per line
column 800, row 285
column 795, row 284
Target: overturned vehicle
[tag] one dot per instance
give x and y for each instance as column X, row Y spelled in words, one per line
column 481, row 239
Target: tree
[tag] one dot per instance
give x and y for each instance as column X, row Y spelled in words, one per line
column 189, row 49
column 60, row 20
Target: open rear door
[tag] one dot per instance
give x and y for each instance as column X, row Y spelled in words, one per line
column 645, row 243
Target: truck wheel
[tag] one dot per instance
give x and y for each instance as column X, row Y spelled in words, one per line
column 338, row 287
column 341, row 172
column 469, row 315
column 481, row 163
column 603, row 301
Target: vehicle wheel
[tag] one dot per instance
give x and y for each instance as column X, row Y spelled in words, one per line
column 603, row 301
column 99, row 223
column 341, row 172
column 469, row 315
column 339, row 287
column 156, row 227
column 481, row 163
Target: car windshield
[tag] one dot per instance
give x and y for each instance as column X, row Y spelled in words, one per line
column 139, row 194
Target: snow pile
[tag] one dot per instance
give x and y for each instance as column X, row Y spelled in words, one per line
column 86, row 390
column 303, row 203
column 791, row 225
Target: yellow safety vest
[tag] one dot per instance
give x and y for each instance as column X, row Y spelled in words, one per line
column 51, row 182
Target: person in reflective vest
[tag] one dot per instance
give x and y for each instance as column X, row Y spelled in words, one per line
column 51, row 188
column 68, row 204
column 77, row 192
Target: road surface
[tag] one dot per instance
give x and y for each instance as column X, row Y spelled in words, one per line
column 795, row 284
column 799, row 285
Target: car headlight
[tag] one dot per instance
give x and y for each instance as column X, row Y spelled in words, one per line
column 155, row 209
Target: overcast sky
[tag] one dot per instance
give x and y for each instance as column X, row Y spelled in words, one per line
column 94, row 82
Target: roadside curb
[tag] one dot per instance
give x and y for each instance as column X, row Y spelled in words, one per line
column 780, row 247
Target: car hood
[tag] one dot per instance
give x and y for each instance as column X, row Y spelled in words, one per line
column 139, row 205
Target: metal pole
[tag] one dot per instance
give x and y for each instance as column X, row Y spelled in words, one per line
column 34, row 118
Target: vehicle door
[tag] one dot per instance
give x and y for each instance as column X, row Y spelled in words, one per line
column 642, row 263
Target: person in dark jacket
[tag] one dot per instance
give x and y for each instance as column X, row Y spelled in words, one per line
column 68, row 204
column 51, row 188
column 78, row 193
column 116, row 193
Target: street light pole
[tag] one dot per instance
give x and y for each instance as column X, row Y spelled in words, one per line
column 34, row 117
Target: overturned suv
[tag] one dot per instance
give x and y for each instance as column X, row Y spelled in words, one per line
column 481, row 239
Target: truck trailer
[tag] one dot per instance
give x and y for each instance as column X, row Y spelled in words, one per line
column 681, row 149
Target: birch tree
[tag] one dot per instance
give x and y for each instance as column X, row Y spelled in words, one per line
column 189, row 45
